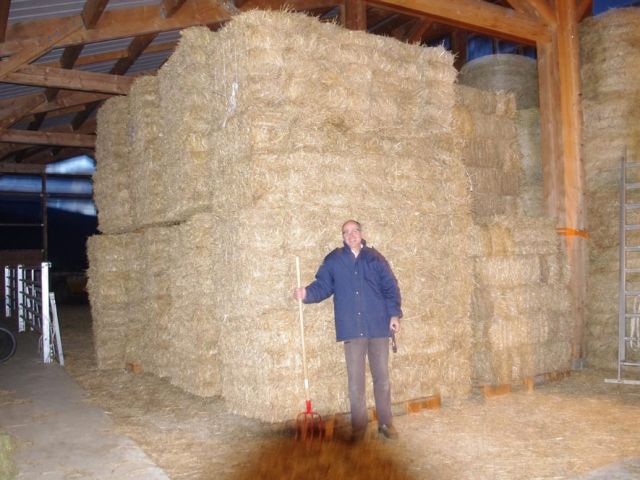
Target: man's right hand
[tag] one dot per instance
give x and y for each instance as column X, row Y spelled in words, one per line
column 299, row 293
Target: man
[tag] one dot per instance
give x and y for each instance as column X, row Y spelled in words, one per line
column 366, row 301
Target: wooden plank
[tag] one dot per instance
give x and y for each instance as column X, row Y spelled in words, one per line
column 66, row 99
column 479, row 16
column 4, row 17
column 70, row 79
column 42, row 46
column 490, row 391
column 21, row 108
column 426, row 403
column 48, row 138
column 569, row 73
column 92, row 11
column 355, row 15
column 119, row 23
column 169, row 7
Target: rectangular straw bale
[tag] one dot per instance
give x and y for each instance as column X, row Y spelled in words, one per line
column 112, row 275
column 112, row 181
column 149, row 343
column 149, row 164
column 508, row 271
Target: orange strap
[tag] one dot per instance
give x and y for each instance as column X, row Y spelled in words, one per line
column 572, row 232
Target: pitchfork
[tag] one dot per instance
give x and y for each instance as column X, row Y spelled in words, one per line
column 309, row 425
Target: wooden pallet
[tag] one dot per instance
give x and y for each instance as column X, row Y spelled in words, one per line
column 490, row 391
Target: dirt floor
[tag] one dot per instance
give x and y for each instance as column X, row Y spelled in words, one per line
column 579, row 427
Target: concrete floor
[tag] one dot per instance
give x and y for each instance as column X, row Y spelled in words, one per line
column 57, row 434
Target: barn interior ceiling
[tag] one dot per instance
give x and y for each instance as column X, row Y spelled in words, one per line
column 62, row 59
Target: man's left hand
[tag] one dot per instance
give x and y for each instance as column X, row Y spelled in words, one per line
column 394, row 324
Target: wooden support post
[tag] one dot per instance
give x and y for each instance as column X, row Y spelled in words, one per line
column 355, row 14
column 569, row 73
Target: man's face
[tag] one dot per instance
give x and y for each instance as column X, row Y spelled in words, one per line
column 352, row 235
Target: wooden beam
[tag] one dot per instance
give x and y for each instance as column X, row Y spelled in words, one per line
column 417, row 32
column 550, row 130
column 584, row 9
column 48, row 138
column 169, row 7
column 42, row 46
column 135, row 49
column 119, row 23
column 523, row 6
column 569, row 73
column 296, row 5
column 545, row 10
column 479, row 16
column 70, row 79
column 66, row 99
column 459, row 47
column 355, row 14
column 21, row 109
column 6, row 167
column 92, row 12
column 4, row 17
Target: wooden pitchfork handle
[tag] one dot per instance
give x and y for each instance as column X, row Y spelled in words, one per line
column 307, row 397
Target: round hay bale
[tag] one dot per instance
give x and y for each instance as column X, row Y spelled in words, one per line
column 504, row 72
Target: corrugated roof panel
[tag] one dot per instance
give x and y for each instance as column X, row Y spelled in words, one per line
column 29, row 10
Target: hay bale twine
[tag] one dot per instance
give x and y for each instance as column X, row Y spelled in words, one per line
column 504, row 72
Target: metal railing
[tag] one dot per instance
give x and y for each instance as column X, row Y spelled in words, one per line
column 27, row 298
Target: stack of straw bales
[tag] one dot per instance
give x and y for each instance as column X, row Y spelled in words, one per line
column 610, row 58
column 520, row 309
column 255, row 143
column 507, row 73
column 263, row 138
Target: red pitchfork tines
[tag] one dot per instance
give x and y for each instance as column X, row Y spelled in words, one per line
column 309, row 425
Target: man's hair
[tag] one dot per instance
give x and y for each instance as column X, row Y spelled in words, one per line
column 351, row 221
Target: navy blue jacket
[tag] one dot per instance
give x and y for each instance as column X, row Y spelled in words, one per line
column 365, row 292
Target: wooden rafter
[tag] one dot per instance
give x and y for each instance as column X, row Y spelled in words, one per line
column 48, row 138
column 169, row 7
column 135, row 49
column 4, row 17
column 480, row 16
column 70, row 79
column 21, row 109
column 415, row 34
column 39, row 48
column 119, row 23
column 92, row 12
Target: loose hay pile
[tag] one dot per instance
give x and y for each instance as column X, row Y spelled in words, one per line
column 520, row 309
column 611, row 111
column 258, row 141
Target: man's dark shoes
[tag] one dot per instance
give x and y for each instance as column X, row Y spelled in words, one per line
column 389, row 431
